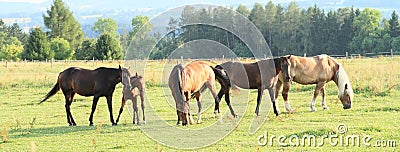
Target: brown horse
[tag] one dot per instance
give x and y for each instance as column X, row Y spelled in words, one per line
column 137, row 88
column 188, row 79
column 258, row 75
column 100, row 82
column 317, row 70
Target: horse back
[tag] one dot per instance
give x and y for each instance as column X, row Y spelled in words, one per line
column 311, row 70
column 197, row 73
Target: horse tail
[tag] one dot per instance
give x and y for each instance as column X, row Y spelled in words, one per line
column 51, row 93
column 221, row 76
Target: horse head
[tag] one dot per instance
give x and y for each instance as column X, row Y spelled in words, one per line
column 125, row 76
column 347, row 97
column 285, row 64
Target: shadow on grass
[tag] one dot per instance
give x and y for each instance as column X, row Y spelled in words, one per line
column 61, row 130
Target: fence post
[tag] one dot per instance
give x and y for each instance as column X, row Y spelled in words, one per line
column 391, row 52
column 6, row 64
column 347, row 55
column 181, row 59
column 93, row 62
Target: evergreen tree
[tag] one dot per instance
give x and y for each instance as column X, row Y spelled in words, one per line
column 394, row 27
column 108, row 48
column 61, row 23
column 37, row 47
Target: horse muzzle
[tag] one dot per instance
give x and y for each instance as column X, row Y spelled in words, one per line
column 287, row 78
column 347, row 106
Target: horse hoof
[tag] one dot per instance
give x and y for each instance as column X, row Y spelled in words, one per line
column 313, row 109
column 91, row 124
column 326, row 108
column 114, row 124
column 144, row 122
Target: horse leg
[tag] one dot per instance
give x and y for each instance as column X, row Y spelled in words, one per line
column 70, row 114
column 189, row 116
column 121, row 109
column 285, row 94
column 67, row 108
column 135, row 110
column 177, row 113
column 219, row 95
column 94, row 104
column 142, row 104
column 228, row 102
column 210, row 85
column 199, row 106
column 323, row 99
column 316, row 92
column 259, row 97
column 109, row 104
column 272, row 96
column 278, row 86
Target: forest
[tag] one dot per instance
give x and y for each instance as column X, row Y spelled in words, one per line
column 286, row 29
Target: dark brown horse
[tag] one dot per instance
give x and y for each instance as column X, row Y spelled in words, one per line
column 137, row 88
column 185, row 80
column 100, row 82
column 258, row 75
column 317, row 70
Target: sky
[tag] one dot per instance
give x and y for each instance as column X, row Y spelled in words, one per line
column 32, row 6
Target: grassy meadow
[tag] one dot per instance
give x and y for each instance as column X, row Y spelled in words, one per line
column 27, row 126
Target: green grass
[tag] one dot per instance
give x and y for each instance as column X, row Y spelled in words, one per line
column 375, row 112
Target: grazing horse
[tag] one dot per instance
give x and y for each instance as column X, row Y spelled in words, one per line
column 137, row 88
column 100, row 82
column 317, row 70
column 258, row 75
column 185, row 80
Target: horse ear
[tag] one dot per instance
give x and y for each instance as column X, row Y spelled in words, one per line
column 136, row 74
column 289, row 56
column 346, row 87
column 119, row 67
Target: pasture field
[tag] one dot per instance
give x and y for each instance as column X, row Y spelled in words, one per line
column 27, row 126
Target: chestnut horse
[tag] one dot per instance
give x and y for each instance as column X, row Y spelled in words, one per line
column 317, row 70
column 137, row 88
column 100, row 82
column 185, row 80
column 259, row 75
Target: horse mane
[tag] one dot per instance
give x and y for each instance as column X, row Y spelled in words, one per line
column 175, row 83
column 342, row 78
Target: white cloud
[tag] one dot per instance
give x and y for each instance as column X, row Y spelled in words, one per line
column 24, row 1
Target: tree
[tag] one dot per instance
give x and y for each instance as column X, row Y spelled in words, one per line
column 37, row 47
column 242, row 9
column 16, row 31
column 140, row 23
column 108, row 48
column 61, row 49
column 106, row 25
column 257, row 16
column 270, row 11
column 87, row 50
column 394, row 27
column 366, row 24
column 11, row 50
column 61, row 23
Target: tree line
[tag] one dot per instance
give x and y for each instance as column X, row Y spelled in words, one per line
column 286, row 30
